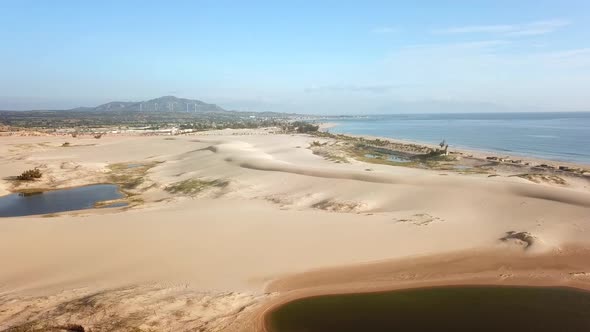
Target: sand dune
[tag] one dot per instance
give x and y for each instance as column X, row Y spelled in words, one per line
column 281, row 211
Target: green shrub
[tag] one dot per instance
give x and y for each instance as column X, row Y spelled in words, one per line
column 303, row 127
column 30, row 175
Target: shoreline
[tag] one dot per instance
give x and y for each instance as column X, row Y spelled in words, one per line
column 478, row 153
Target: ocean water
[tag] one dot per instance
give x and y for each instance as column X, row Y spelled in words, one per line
column 562, row 136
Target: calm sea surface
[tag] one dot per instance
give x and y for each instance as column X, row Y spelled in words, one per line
column 561, row 136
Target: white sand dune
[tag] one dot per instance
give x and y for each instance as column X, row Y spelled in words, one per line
column 284, row 211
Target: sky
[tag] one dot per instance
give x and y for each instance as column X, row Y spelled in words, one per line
column 324, row 57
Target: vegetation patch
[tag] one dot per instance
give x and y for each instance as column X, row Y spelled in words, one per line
column 316, row 144
column 378, row 155
column 30, row 175
column 194, row 186
column 392, row 154
column 331, row 154
column 130, row 178
column 301, row 127
column 543, row 178
column 337, row 206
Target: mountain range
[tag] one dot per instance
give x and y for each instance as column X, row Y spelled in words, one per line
column 163, row 104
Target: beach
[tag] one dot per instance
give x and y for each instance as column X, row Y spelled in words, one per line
column 223, row 226
column 542, row 135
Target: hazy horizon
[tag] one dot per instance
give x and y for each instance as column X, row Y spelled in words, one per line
column 309, row 58
column 391, row 108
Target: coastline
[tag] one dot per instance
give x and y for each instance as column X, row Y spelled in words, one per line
column 478, row 153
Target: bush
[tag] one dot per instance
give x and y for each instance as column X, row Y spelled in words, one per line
column 303, row 127
column 316, row 143
column 30, row 175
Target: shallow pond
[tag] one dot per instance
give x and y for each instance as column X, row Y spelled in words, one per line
column 439, row 309
column 390, row 157
column 24, row 204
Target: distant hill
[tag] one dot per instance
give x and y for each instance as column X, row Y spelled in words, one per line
column 163, row 110
column 163, row 104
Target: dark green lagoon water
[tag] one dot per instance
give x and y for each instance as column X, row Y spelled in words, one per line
column 439, row 309
column 53, row 201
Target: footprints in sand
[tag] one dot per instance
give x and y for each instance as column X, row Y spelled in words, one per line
column 420, row 219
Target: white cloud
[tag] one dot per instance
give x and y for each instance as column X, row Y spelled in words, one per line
column 515, row 30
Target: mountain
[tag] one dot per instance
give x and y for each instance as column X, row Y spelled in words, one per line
column 163, row 110
column 163, row 104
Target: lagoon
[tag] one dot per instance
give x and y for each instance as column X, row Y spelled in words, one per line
column 53, row 201
column 468, row 308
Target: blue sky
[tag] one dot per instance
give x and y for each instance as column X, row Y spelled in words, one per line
column 299, row 56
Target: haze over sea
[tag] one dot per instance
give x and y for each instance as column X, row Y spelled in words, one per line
column 563, row 136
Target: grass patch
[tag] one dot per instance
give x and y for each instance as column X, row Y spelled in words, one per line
column 331, row 152
column 130, row 178
column 542, row 178
column 338, row 206
column 317, row 143
column 331, row 156
column 194, row 186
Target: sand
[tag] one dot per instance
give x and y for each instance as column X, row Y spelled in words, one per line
column 284, row 223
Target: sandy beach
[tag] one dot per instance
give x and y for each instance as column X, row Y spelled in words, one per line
column 226, row 225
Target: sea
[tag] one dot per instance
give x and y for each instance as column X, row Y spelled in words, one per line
column 560, row 136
